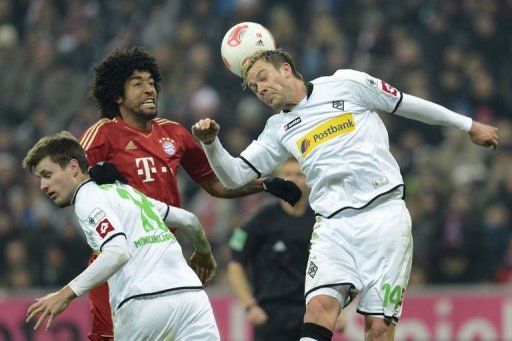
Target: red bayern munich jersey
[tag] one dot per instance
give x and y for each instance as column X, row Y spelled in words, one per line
column 148, row 159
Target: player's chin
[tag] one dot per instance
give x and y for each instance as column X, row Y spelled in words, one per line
column 61, row 204
column 150, row 113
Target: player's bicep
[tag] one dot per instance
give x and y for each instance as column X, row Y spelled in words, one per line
column 262, row 156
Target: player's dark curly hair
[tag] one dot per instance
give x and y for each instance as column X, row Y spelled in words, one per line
column 113, row 71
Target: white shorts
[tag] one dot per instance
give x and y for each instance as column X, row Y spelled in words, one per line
column 181, row 315
column 368, row 249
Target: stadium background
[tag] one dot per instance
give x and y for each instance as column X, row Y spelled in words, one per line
column 456, row 53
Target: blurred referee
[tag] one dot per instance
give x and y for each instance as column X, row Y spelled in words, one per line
column 269, row 257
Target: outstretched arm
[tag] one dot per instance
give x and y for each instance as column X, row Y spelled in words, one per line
column 421, row 110
column 112, row 258
column 215, row 188
column 236, row 173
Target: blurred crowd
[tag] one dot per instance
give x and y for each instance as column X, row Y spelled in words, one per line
column 455, row 53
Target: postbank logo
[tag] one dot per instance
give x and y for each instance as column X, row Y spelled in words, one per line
column 324, row 132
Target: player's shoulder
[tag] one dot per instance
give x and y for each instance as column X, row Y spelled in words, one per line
column 342, row 75
column 275, row 122
column 163, row 122
column 87, row 196
column 171, row 127
column 96, row 130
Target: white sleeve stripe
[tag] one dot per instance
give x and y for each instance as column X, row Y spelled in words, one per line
column 398, row 103
column 251, row 166
column 112, row 237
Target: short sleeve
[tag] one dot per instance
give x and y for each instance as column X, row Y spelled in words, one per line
column 194, row 160
column 371, row 92
column 161, row 208
column 265, row 153
column 99, row 222
column 95, row 144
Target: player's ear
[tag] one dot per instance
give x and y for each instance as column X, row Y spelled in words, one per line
column 118, row 100
column 286, row 69
column 74, row 166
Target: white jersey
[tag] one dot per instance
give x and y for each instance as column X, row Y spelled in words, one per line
column 339, row 140
column 156, row 263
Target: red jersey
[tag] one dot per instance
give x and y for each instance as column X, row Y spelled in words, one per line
column 148, row 159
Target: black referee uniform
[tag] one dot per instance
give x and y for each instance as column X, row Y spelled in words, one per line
column 273, row 249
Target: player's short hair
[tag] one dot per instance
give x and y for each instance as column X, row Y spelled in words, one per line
column 61, row 148
column 113, row 71
column 275, row 57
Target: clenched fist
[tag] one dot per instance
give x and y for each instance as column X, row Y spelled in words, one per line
column 206, row 130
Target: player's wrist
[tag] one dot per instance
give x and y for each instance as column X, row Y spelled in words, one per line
column 68, row 293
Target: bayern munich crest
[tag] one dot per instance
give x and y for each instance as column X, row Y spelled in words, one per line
column 168, row 146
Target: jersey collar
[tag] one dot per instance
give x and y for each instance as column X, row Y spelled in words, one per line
column 145, row 132
column 309, row 88
column 78, row 188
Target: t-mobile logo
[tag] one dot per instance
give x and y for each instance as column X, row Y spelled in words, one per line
column 146, row 167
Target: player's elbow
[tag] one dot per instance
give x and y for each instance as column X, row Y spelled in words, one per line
column 122, row 258
column 191, row 222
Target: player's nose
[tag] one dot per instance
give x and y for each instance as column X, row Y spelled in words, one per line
column 261, row 89
column 43, row 185
column 150, row 89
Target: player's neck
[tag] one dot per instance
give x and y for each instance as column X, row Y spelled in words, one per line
column 298, row 91
column 296, row 211
column 79, row 180
column 136, row 121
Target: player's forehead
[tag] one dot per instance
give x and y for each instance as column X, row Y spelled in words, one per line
column 140, row 75
column 46, row 165
column 257, row 68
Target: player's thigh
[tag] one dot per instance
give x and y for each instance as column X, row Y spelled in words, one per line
column 197, row 321
column 331, row 264
column 384, row 260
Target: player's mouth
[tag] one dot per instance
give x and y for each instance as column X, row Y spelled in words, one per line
column 52, row 195
column 149, row 103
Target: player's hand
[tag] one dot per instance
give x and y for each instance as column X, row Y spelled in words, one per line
column 50, row 306
column 256, row 315
column 283, row 189
column 105, row 173
column 206, row 130
column 484, row 135
column 204, row 265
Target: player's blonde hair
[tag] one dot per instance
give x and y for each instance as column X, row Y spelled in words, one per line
column 61, row 148
column 275, row 57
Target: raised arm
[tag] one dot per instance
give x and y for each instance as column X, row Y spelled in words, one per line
column 113, row 256
column 232, row 172
column 422, row 110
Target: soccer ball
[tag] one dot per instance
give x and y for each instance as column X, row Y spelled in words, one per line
column 241, row 41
